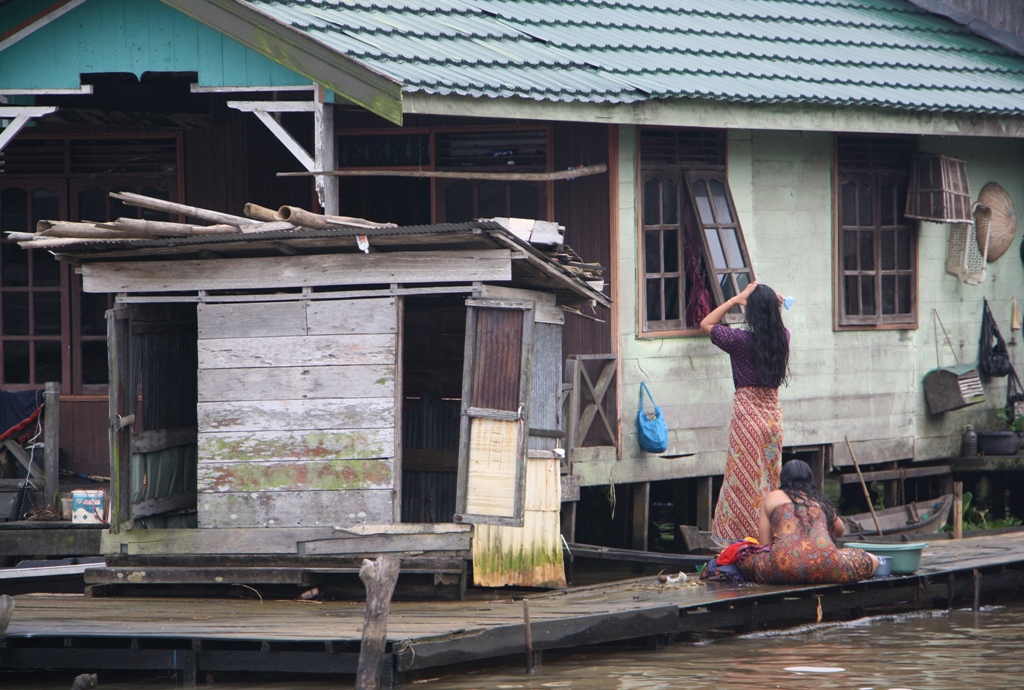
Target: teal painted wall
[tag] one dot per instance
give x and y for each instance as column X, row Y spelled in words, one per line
column 863, row 383
column 134, row 36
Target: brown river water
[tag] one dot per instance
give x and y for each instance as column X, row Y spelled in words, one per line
column 929, row 650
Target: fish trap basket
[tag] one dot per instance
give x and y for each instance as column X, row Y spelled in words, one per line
column 964, row 258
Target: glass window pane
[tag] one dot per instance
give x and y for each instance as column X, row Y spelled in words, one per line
column 888, row 294
column 725, row 282
column 14, row 210
column 524, row 200
column 653, row 299
column 652, row 255
column 721, row 202
column 15, row 313
column 903, row 249
column 670, row 198
column 491, row 200
column 671, row 299
column 652, row 196
column 119, row 209
column 458, row 203
column 92, row 205
column 887, row 203
column 46, row 306
column 732, row 248
column 150, row 214
column 16, row 369
column 45, row 269
column 849, row 250
column 15, row 265
column 867, row 295
column 742, row 281
column 865, row 207
column 45, row 206
column 94, row 362
column 94, row 313
column 671, row 238
column 700, row 193
column 888, row 250
column 850, row 294
column 904, row 300
column 717, row 255
column 48, row 365
column 867, row 251
column 849, row 204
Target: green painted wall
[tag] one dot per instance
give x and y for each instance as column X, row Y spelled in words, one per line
column 863, row 383
column 134, row 36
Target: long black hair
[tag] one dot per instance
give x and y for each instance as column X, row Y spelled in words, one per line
column 797, row 481
column 771, row 349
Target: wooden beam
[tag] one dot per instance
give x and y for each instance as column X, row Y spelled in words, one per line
column 158, row 439
column 553, row 176
column 887, row 475
column 299, row 271
column 379, row 576
column 299, row 52
column 22, row 456
column 705, row 500
column 37, row 21
column 51, row 439
column 122, row 403
column 21, row 117
column 641, row 512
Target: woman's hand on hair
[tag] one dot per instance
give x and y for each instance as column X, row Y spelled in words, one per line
column 742, row 297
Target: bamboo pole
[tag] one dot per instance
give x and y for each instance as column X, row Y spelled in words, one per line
column 308, row 219
column 171, row 207
column 958, row 510
column 157, row 228
column 60, row 228
column 262, row 213
column 570, row 174
column 864, row 486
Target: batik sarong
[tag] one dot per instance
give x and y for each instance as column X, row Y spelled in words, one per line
column 753, row 464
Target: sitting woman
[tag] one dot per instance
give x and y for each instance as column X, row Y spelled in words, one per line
column 801, row 526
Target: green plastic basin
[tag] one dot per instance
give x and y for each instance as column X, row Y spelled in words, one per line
column 905, row 557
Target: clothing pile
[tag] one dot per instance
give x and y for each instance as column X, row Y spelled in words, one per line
column 724, row 565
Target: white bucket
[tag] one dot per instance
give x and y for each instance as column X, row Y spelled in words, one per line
column 88, row 506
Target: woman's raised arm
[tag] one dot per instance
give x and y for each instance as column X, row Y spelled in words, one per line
column 719, row 312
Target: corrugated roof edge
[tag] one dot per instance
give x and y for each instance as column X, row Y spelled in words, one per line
column 969, row 21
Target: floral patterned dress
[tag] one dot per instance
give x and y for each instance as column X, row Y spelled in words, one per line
column 805, row 553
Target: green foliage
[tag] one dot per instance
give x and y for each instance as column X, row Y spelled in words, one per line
column 976, row 518
column 1006, row 417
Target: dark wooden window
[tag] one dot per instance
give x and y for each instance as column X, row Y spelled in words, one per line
column 876, row 244
column 693, row 255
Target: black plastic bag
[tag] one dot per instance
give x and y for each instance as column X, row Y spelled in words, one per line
column 995, row 359
column 22, row 503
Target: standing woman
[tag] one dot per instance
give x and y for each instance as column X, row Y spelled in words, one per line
column 760, row 359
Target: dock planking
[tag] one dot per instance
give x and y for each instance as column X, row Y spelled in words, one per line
column 428, row 634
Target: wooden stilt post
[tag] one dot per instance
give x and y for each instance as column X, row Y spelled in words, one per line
column 51, row 441
column 528, row 636
column 704, row 502
column 6, row 611
column 380, row 577
column 977, row 589
column 958, row 510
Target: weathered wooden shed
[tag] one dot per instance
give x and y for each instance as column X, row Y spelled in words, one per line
column 317, row 403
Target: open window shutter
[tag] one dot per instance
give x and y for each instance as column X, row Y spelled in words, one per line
column 725, row 251
column 495, row 411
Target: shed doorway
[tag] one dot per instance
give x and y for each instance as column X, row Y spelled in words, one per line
column 433, row 341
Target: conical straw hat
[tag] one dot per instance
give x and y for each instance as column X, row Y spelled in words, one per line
column 1003, row 223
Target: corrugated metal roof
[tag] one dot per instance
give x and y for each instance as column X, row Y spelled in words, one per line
column 885, row 53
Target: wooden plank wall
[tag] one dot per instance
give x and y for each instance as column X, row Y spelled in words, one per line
column 297, row 413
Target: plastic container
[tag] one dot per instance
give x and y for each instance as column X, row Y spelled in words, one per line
column 88, row 506
column 905, row 557
column 970, row 442
column 884, row 566
column 998, row 443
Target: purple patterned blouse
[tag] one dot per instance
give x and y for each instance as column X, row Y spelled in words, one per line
column 737, row 342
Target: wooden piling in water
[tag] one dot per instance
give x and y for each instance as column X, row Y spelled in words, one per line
column 380, row 577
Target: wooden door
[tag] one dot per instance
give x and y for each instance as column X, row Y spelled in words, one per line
column 495, row 411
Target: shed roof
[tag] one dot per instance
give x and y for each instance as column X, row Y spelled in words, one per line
column 536, row 269
column 886, row 53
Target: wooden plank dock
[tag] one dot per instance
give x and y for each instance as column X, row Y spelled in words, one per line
column 194, row 635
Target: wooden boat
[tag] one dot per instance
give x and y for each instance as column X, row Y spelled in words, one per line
column 923, row 517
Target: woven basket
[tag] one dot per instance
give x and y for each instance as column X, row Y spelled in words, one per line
column 1002, row 224
column 964, row 259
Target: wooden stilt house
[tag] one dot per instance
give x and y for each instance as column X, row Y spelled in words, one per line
column 324, row 395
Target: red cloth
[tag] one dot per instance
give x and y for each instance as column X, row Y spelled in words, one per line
column 731, row 552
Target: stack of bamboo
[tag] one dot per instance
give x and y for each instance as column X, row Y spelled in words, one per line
column 53, row 234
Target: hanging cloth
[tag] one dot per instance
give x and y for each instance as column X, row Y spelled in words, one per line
column 995, row 358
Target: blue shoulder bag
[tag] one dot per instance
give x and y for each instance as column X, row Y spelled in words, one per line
column 651, row 429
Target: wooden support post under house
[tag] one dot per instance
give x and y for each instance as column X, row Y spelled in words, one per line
column 958, row 510
column 704, row 502
column 51, row 441
column 121, row 408
column 379, row 576
column 641, row 510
